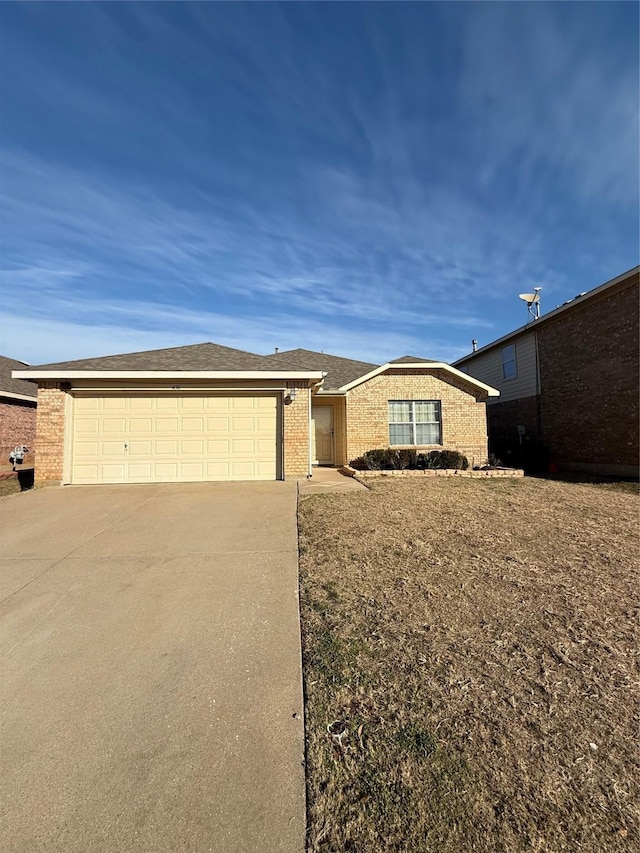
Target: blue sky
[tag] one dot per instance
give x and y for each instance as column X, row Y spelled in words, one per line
column 366, row 179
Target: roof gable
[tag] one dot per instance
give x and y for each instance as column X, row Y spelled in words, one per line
column 411, row 359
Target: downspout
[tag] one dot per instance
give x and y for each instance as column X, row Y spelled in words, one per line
column 310, row 473
column 538, row 388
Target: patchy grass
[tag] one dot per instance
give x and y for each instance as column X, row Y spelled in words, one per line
column 9, row 486
column 470, row 661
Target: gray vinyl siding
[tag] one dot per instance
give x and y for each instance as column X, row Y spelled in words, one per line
column 487, row 367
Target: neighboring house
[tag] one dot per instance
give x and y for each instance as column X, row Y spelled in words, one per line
column 208, row 412
column 568, row 383
column 18, row 400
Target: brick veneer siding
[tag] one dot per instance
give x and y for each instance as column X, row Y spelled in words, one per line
column 50, row 434
column 589, row 365
column 17, row 425
column 296, row 432
column 464, row 421
column 503, row 420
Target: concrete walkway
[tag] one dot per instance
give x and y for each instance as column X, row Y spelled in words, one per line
column 328, row 480
column 151, row 693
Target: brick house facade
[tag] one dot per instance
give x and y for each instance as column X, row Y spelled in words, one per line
column 464, row 421
column 576, row 390
column 194, row 413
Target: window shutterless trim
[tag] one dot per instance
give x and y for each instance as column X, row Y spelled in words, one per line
column 414, row 424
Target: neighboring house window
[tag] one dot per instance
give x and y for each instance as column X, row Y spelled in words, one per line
column 415, row 422
column 509, row 369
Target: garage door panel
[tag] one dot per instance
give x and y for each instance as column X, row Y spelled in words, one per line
column 193, row 425
column 109, row 449
column 217, row 404
column 140, row 425
column 218, row 447
column 113, row 473
column 89, row 449
column 217, row 470
column 87, row 426
column 166, row 404
column 87, row 404
column 266, row 470
column 166, row 470
column 244, row 424
column 113, row 426
column 192, row 471
column 192, row 447
column 191, row 404
column 165, row 447
column 233, row 438
column 140, row 472
column 112, row 404
column 218, row 425
column 167, row 425
column 266, row 425
column 242, row 446
column 141, row 404
column 139, row 447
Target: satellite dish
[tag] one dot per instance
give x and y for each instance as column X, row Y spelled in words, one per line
column 533, row 302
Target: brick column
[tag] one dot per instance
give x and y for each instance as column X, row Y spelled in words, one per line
column 296, row 432
column 50, row 434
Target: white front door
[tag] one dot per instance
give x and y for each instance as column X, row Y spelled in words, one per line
column 322, row 435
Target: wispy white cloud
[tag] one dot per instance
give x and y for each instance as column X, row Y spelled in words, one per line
column 38, row 340
column 221, row 179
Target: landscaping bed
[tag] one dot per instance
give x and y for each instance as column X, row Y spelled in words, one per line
column 433, row 472
column 470, row 663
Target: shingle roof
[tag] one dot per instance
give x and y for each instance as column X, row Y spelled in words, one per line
column 208, row 356
column 15, row 386
column 205, row 356
column 406, row 359
column 340, row 371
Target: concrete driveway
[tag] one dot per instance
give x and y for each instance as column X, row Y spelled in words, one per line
column 151, row 683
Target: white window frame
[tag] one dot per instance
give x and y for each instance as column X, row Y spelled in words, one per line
column 509, row 357
column 414, row 423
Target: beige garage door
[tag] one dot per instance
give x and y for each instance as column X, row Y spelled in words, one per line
column 149, row 439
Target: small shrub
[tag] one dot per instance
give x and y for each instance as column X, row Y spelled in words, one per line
column 422, row 461
column 407, row 458
column 359, row 463
column 453, row 459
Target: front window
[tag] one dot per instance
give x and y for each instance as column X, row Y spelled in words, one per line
column 415, row 422
column 509, row 369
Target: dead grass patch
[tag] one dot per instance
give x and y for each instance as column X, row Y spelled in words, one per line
column 470, row 660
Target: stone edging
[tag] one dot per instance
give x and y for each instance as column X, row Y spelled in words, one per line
column 432, row 472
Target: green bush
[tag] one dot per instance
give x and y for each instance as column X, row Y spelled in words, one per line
column 388, row 459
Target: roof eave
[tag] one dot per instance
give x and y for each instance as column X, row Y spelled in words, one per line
column 313, row 375
column 424, row 365
column 11, row 395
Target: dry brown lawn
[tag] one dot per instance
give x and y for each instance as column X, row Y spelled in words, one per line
column 471, row 667
column 9, row 486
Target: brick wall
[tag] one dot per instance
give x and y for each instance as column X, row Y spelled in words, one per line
column 503, row 419
column 17, row 425
column 589, row 364
column 50, row 433
column 464, row 422
column 296, row 432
